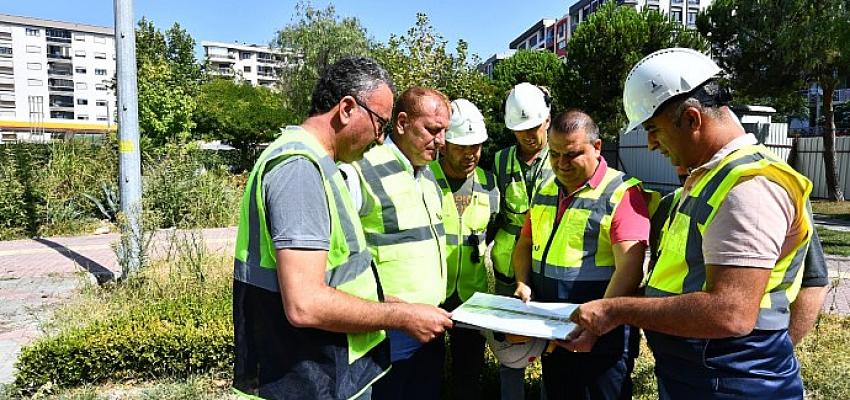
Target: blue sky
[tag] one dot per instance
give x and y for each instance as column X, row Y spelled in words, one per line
column 488, row 26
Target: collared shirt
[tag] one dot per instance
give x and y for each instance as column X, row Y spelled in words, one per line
column 735, row 144
column 630, row 220
column 353, row 182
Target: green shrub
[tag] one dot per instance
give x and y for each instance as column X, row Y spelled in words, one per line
column 184, row 194
column 171, row 321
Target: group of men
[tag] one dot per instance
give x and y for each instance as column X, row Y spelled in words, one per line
column 353, row 247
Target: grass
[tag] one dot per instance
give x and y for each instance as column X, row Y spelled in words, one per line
column 824, row 355
column 833, row 209
column 835, row 242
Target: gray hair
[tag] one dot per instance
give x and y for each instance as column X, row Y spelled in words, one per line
column 709, row 99
column 351, row 76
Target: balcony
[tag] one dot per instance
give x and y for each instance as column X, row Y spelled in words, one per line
column 59, row 72
column 230, row 58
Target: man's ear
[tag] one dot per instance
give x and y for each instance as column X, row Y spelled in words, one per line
column 400, row 122
column 346, row 106
column 692, row 118
column 597, row 144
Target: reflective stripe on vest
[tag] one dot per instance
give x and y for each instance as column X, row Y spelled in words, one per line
column 681, row 267
column 404, row 228
column 463, row 232
column 515, row 203
column 348, row 263
column 580, row 247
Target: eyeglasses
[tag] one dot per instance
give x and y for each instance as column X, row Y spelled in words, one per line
column 382, row 122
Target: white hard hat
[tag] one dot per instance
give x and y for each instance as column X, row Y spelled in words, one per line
column 467, row 124
column 527, row 106
column 515, row 354
column 660, row 76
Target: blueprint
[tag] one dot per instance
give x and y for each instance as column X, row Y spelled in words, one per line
column 506, row 314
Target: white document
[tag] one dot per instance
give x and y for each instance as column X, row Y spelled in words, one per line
column 506, row 314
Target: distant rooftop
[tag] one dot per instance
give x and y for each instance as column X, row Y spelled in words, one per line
column 47, row 23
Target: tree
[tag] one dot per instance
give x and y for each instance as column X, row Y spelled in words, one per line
column 168, row 77
column 420, row 57
column 778, row 48
column 319, row 38
column 542, row 68
column 240, row 114
column 603, row 50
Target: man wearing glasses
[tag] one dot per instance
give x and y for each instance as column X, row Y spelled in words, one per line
column 400, row 208
column 470, row 204
column 307, row 308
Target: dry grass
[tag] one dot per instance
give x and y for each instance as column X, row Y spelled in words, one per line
column 833, row 209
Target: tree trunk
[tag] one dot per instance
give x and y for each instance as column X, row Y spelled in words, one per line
column 831, row 170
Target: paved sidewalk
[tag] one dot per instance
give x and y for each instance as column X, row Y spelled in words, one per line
column 40, row 273
column 824, row 221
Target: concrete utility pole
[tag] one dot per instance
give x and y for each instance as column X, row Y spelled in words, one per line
column 130, row 171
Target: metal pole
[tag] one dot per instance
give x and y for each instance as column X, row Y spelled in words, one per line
column 130, row 176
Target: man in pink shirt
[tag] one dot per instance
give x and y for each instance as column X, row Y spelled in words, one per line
column 583, row 239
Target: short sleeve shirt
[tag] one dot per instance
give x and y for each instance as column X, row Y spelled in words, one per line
column 297, row 210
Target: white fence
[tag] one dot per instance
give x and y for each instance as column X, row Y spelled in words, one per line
column 656, row 172
column 810, row 163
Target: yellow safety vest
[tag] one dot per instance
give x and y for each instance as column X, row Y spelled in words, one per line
column 515, row 203
column 580, row 248
column 465, row 232
column 404, row 228
column 681, row 267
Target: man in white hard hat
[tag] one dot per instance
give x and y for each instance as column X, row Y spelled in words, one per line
column 716, row 310
column 519, row 170
column 470, row 205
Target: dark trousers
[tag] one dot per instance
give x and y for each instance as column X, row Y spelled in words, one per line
column 415, row 378
column 587, row 376
column 466, row 347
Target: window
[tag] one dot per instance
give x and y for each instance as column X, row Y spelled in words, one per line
column 79, row 70
column 100, row 87
column 98, row 71
column 80, row 37
column 82, row 102
column 62, row 114
column 693, row 2
column 101, row 56
column 5, row 51
column 83, row 117
column 247, row 69
column 532, row 41
column 99, row 39
column 80, row 53
column 35, row 82
column 676, row 15
column 34, row 66
column 82, row 86
column 33, row 32
column 33, row 49
column 692, row 18
column 244, row 55
column 100, row 103
column 102, row 118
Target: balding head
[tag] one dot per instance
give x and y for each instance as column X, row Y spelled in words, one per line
column 420, row 120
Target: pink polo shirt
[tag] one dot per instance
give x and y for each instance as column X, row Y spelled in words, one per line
column 630, row 220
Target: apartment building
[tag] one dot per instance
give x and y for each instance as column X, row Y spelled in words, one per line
column 55, row 78
column 260, row 65
column 489, row 65
column 682, row 11
column 541, row 35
